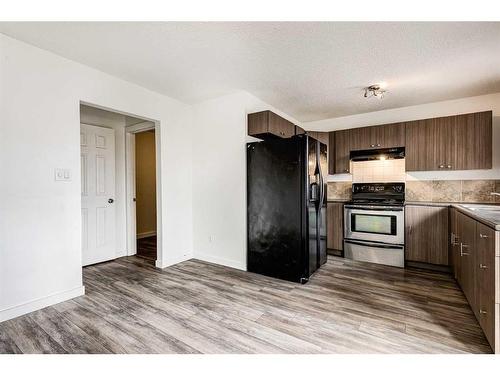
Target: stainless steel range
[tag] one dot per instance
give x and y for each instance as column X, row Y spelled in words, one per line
column 374, row 223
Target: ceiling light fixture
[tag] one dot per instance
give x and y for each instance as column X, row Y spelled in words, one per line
column 377, row 91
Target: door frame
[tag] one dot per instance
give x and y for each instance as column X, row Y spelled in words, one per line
column 130, row 132
column 130, row 174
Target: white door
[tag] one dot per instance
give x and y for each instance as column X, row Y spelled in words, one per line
column 97, row 147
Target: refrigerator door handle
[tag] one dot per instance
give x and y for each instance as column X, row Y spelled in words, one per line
column 314, row 192
column 321, row 180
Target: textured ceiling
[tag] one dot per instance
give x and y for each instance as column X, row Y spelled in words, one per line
column 310, row 70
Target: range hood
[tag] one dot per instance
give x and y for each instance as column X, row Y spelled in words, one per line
column 378, row 154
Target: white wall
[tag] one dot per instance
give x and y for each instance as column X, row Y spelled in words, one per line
column 445, row 108
column 40, row 94
column 219, row 188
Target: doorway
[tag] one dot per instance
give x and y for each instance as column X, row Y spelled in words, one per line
column 145, row 194
column 108, row 186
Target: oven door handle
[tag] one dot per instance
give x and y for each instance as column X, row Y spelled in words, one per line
column 375, row 244
column 373, row 208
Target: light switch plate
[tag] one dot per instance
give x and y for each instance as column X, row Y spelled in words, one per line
column 62, row 174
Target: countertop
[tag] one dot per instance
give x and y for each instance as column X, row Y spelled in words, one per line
column 482, row 213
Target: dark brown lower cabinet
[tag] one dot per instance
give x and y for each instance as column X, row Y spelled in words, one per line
column 468, row 255
column 335, row 223
column 454, row 253
column 426, row 234
column 485, row 285
column 476, row 269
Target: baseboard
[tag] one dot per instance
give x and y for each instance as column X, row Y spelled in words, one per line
column 335, row 252
column 221, row 261
column 40, row 303
column 427, row 266
column 146, row 234
column 171, row 262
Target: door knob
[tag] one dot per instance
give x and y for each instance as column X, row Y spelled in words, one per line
column 111, row 200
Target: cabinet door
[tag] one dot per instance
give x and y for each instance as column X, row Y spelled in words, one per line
column 323, row 137
column 342, row 149
column 467, row 274
column 426, row 229
column 391, row 135
column 429, row 144
column 267, row 122
column 420, row 149
column 485, row 282
column 335, row 223
column 331, row 153
column 454, row 243
column 258, row 123
column 473, row 141
column 299, row 130
column 279, row 126
column 362, row 138
column 444, row 142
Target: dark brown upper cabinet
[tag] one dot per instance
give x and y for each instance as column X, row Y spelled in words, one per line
column 331, row 153
column 299, row 130
column 323, row 137
column 266, row 123
column 450, row 143
column 341, row 149
column 382, row 136
column 473, row 141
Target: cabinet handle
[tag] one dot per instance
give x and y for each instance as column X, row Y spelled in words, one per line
column 482, row 266
column 481, row 311
column 372, row 145
column 411, row 229
column 346, row 170
column 441, row 166
column 483, row 235
column 448, row 166
column 462, row 249
column 378, row 144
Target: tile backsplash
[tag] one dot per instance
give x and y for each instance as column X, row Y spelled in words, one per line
column 339, row 190
column 379, row 171
column 473, row 191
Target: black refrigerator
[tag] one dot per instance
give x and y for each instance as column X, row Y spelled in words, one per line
column 286, row 207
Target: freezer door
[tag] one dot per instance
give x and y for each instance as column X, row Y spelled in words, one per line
column 275, row 202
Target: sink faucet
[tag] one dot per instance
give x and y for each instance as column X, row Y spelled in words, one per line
column 494, row 193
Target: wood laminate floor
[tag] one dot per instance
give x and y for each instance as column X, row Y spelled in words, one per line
column 146, row 248
column 197, row 307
